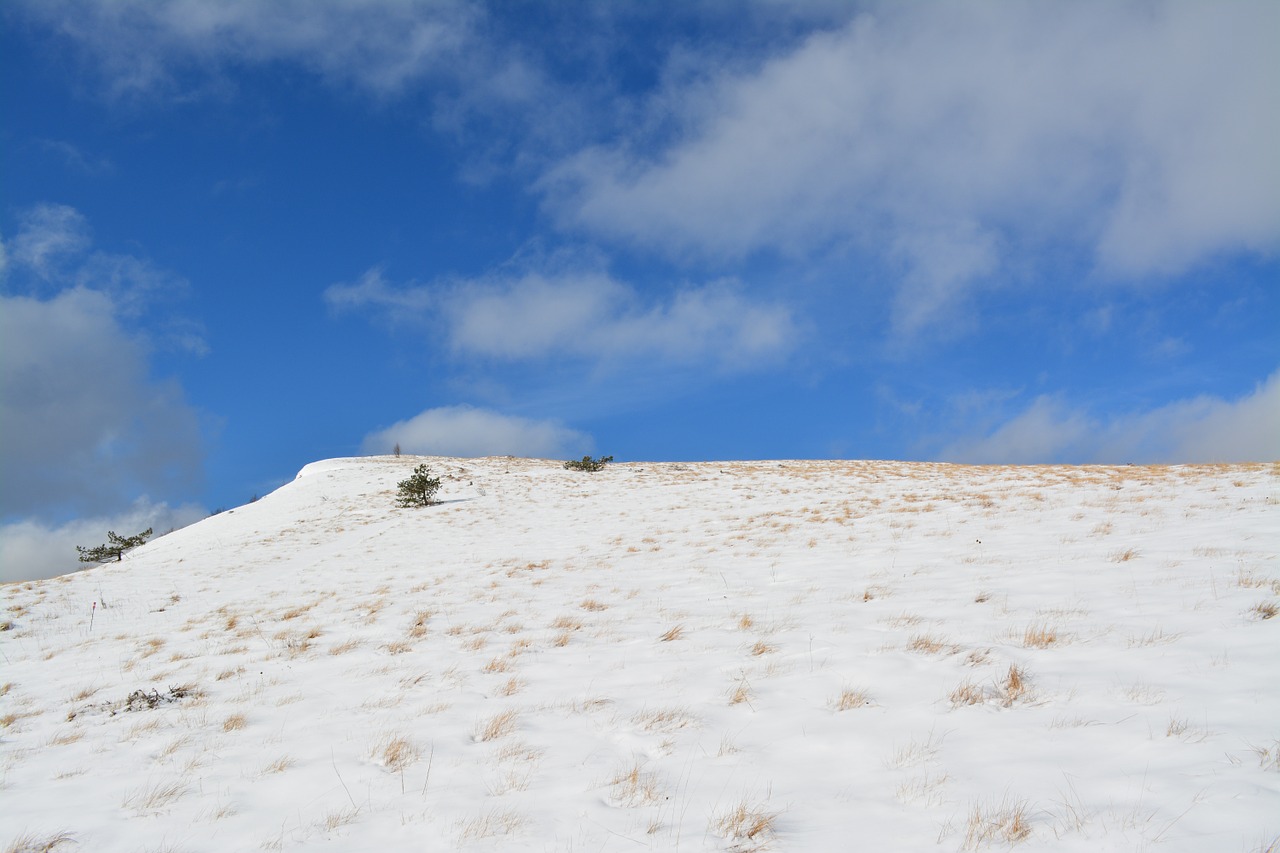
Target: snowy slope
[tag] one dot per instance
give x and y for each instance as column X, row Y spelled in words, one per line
column 721, row 656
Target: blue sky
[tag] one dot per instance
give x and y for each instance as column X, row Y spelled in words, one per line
column 242, row 236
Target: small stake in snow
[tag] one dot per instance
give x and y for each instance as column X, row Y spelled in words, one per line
column 92, row 610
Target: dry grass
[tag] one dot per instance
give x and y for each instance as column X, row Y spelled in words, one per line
column 398, row 647
column 593, row 605
column 1122, row 556
column 154, row 797
column 27, row 843
column 1264, row 610
column 419, row 627
column 491, row 824
column 633, row 786
column 750, row 825
column 499, row 725
column 1014, row 687
column 745, row 622
column 1039, row 636
column 1155, row 637
column 64, row 738
column 664, row 719
column 280, row 765
column 511, row 687
column 851, row 698
column 340, row 818
column 762, row 648
column 567, row 623
column 234, row 723
column 395, row 752
column 1249, row 580
column 929, row 644
column 967, row 693
column 499, row 664
column 1268, row 756
column 561, row 640
column 1007, row 823
column 673, row 633
column 740, row 693
column 343, row 648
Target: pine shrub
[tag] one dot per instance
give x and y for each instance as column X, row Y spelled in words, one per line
column 419, row 489
column 588, row 464
column 115, row 548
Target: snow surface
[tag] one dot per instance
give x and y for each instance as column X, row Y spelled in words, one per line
column 657, row 656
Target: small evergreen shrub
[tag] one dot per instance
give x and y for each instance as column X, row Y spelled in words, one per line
column 419, row 489
column 115, row 548
column 588, row 464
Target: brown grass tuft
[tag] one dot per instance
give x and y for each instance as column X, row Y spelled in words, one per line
column 673, row 633
column 154, row 797
column 747, row 824
column 851, row 698
column 234, row 723
column 1007, row 822
column 929, row 644
column 1039, row 636
column 633, row 787
column 395, row 752
column 1264, row 610
column 1015, row 686
column 967, row 693
column 27, row 843
column 499, row 725
column 593, row 605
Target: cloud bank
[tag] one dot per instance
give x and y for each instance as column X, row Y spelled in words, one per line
column 31, row 549
column 1203, row 429
column 468, row 431
column 86, row 426
column 945, row 137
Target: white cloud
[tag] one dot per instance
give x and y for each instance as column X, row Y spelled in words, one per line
column 84, row 424
column 372, row 291
column 593, row 316
column 585, row 313
column 1144, row 134
column 1202, row 429
column 379, row 45
column 30, row 549
column 49, row 236
column 468, row 431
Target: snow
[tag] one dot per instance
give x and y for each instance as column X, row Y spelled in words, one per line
column 656, row 657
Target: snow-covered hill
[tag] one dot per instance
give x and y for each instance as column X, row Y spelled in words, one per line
column 722, row 656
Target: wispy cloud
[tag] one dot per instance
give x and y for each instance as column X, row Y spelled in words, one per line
column 76, row 159
column 1201, row 429
column 371, row 291
column 49, row 238
column 950, row 137
column 585, row 313
column 141, row 45
column 468, row 431
column 32, row 549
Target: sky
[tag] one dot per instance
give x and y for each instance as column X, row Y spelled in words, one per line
column 237, row 237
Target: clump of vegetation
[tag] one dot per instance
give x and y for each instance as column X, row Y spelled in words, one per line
column 588, row 464
column 115, row 548
column 420, row 489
